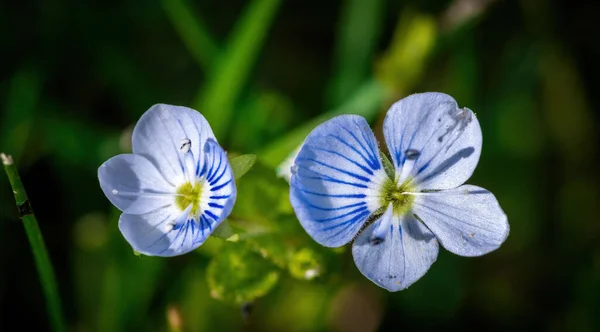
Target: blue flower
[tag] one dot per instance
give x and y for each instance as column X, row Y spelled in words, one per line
column 175, row 188
column 341, row 192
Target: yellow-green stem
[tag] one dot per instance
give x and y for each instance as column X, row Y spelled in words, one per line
column 36, row 241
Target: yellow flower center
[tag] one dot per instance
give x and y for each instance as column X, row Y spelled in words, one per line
column 398, row 196
column 189, row 194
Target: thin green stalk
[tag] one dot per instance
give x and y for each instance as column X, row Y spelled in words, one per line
column 42, row 261
column 226, row 80
column 193, row 32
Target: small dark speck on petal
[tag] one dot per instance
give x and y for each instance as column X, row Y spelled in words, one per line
column 376, row 241
column 412, row 154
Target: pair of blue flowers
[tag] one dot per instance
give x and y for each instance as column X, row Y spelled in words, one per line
column 177, row 187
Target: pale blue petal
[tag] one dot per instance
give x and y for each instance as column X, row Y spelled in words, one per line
column 433, row 141
column 467, row 221
column 165, row 232
column 170, row 232
column 134, row 185
column 218, row 186
column 401, row 258
column 159, row 134
column 336, row 180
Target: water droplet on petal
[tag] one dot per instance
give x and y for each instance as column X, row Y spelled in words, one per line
column 115, row 192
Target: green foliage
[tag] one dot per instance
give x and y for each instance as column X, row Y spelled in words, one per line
column 305, row 264
column 239, row 275
column 403, row 63
column 358, row 33
column 193, row 31
column 231, row 71
column 366, row 101
column 241, row 164
column 261, row 77
column 21, row 101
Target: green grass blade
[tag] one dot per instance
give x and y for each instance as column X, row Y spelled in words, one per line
column 192, row 31
column 367, row 102
column 224, row 83
column 358, row 33
column 42, row 260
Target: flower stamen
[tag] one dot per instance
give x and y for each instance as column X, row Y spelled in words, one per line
column 400, row 197
column 188, row 194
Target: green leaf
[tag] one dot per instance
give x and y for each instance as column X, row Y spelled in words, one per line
column 225, row 232
column 387, row 165
column 224, row 85
column 240, row 165
column 366, row 102
column 238, row 275
column 262, row 199
column 270, row 246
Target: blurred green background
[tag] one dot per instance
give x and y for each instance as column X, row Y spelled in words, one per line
column 76, row 75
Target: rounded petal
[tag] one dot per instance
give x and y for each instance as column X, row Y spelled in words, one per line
column 467, row 221
column 165, row 232
column 401, row 258
column 336, row 180
column 432, row 141
column 134, row 185
column 219, row 191
column 161, row 132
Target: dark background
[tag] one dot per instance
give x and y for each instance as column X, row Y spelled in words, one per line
column 76, row 75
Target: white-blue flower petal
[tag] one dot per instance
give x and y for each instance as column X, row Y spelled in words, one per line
column 165, row 232
column 168, row 231
column 467, row 221
column 218, row 188
column 401, row 258
column 432, row 141
column 134, row 185
column 336, row 180
column 162, row 131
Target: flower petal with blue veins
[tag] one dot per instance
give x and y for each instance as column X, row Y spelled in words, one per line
column 467, row 221
column 165, row 232
column 134, row 185
column 401, row 257
column 160, row 133
column 432, row 141
column 336, row 180
column 218, row 191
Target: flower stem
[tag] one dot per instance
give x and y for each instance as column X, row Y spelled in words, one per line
column 42, row 261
